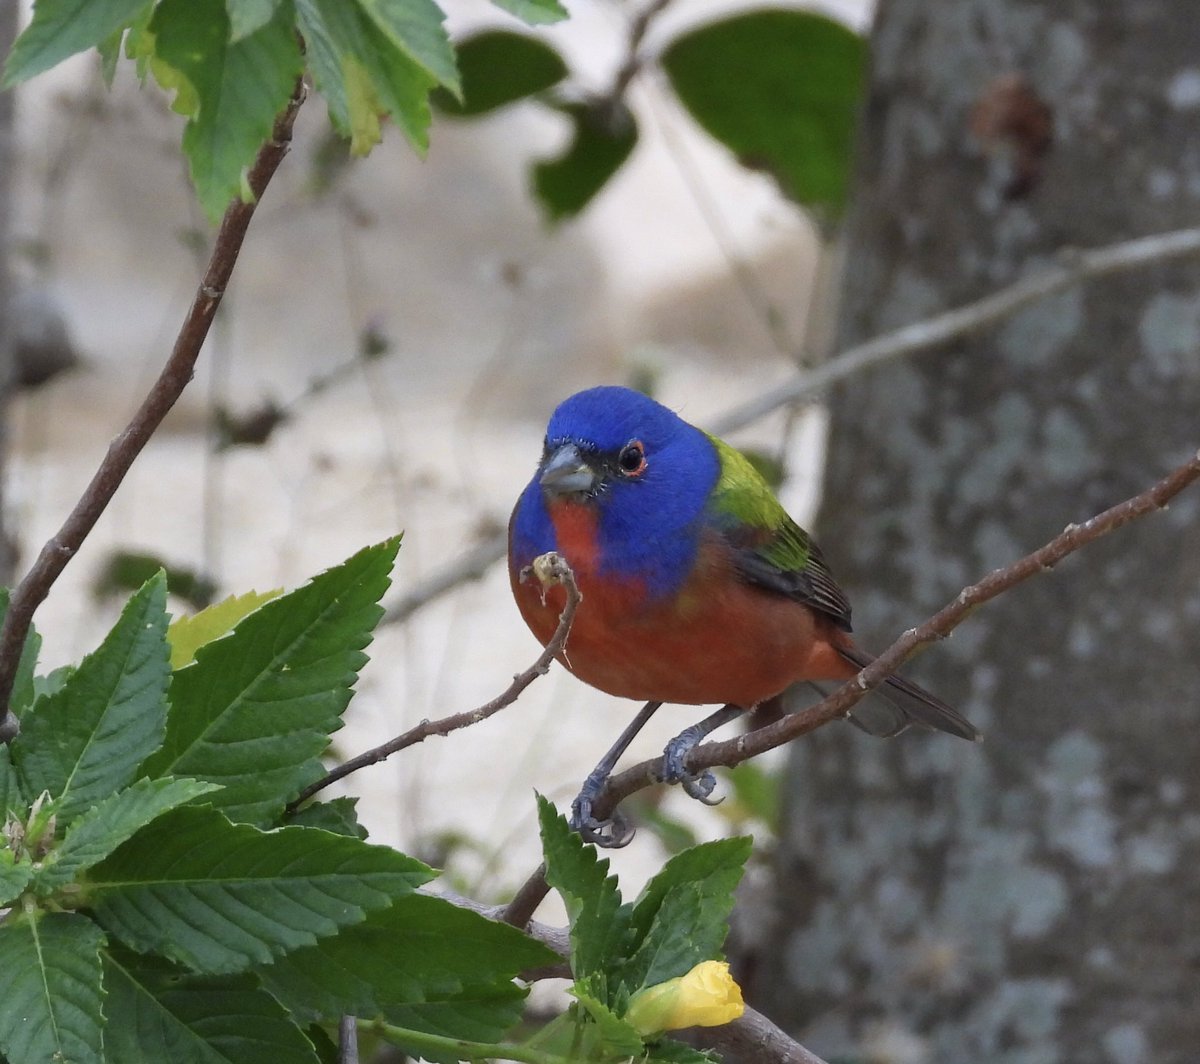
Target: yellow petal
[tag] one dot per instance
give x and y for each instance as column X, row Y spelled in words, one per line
column 706, row 997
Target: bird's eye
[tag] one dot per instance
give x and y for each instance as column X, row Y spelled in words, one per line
column 632, row 458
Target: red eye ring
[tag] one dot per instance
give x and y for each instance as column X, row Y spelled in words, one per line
column 632, row 459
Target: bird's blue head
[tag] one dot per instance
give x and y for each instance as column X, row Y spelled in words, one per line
column 645, row 474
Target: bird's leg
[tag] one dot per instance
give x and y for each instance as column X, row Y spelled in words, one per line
column 677, row 750
column 616, row 832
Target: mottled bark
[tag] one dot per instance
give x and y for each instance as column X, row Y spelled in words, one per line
column 1035, row 899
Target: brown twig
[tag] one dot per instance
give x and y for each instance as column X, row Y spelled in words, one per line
column 1073, row 267
column 734, row 751
column 555, row 570
column 175, row 375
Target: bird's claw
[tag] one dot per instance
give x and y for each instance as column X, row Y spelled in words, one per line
column 611, row 834
column 699, row 786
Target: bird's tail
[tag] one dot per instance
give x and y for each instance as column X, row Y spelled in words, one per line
column 902, row 703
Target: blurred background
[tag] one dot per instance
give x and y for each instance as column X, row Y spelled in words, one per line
column 398, row 331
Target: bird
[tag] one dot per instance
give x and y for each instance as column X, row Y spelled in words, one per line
column 696, row 586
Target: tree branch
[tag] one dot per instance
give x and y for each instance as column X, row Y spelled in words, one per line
column 175, row 375
column 1073, row 267
column 549, row 569
column 838, row 704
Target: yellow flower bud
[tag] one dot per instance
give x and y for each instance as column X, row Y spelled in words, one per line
column 706, row 997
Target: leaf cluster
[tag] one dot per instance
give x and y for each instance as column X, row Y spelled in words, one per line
column 161, row 904
column 780, row 88
column 619, row 948
column 232, row 65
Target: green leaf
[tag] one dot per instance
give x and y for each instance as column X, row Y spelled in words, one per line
column 346, row 49
column 415, row 27
column 479, row 1012
column 157, row 1013
column 11, row 797
column 669, row 1051
column 246, row 16
column 255, row 710
column 423, row 949
column 220, row 897
column 598, row 920
column 15, row 875
column 60, row 28
column 240, row 86
column 188, row 634
column 86, row 741
column 51, row 1006
column 716, row 868
column 113, row 821
column 680, row 918
column 534, row 12
column 339, row 815
column 618, row 1035
column 601, row 142
column 498, row 68
column 781, row 89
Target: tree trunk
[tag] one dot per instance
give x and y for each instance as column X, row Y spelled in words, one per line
column 1036, row 898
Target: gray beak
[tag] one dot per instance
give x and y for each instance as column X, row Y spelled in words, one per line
column 566, row 472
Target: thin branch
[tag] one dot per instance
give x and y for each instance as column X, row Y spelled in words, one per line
column 1073, row 267
column 347, row 1040
column 175, row 375
column 549, row 569
column 734, row 751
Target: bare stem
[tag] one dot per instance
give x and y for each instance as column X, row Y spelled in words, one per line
column 561, row 574
column 175, row 375
column 1072, row 268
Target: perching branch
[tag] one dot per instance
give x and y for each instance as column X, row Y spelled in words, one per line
column 838, row 704
column 734, row 751
column 1073, row 267
column 175, row 375
column 552, row 569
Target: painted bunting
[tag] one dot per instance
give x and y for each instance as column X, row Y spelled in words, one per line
column 697, row 587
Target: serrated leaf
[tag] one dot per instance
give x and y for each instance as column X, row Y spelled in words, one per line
column 111, row 822
column 246, row 16
column 602, row 140
column 534, row 12
column 421, row 950
column 415, row 27
column 499, row 67
column 339, row 815
column 343, row 42
column 188, row 634
column 255, row 710
column 781, row 89
column 619, row 1036
column 50, row 990
column 15, row 876
column 716, row 868
column 220, row 897
column 60, row 28
column 86, row 741
column 157, row 1013
column 669, row 1051
column 479, row 1014
column 598, row 920
column 678, row 939
column 10, row 787
column 240, row 86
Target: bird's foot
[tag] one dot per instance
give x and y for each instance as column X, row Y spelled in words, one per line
column 611, row 834
column 695, row 785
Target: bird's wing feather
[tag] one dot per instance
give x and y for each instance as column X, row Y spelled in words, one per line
column 770, row 550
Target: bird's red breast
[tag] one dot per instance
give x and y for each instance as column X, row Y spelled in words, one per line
column 716, row 640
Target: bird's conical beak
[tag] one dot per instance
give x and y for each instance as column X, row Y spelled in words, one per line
column 566, row 472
